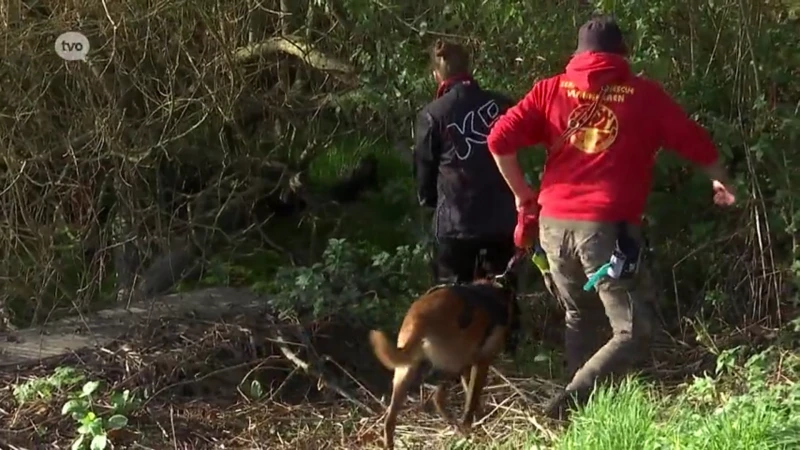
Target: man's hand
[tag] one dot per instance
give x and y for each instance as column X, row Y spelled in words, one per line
column 527, row 229
column 723, row 189
column 723, row 195
column 525, row 198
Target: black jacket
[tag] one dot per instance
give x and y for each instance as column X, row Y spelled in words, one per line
column 455, row 172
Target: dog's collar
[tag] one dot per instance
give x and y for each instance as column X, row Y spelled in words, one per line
column 439, row 286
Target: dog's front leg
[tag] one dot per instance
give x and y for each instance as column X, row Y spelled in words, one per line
column 465, row 377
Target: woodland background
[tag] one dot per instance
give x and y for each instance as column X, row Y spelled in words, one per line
column 266, row 144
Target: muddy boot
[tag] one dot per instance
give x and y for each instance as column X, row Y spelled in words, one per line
column 561, row 404
column 557, row 406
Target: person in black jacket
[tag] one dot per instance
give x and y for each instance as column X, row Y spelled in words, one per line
column 475, row 213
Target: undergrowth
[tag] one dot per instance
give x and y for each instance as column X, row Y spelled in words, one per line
column 750, row 404
column 356, row 279
column 353, row 279
column 366, row 261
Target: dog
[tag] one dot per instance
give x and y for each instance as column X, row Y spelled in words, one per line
column 459, row 330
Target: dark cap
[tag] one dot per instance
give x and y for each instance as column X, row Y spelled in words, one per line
column 601, row 34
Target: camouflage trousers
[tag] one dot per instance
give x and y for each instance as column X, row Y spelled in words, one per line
column 576, row 250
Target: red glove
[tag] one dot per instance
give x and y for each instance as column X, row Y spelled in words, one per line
column 527, row 230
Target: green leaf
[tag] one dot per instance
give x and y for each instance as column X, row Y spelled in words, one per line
column 256, row 391
column 116, row 400
column 89, row 417
column 71, row 407
column 90, row 387
column 99, row 442
column 96, row 427
column 77, row 444
column 117, row 422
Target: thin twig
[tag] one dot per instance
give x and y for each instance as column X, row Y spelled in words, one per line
column 283, row 346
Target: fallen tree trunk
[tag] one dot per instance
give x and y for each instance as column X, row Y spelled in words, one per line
column 295, row 46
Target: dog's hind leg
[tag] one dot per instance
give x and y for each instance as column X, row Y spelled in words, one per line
column 403, row 376
column 474, row 379
column 443, row 382
column 465, row 378
column 477, row 381
column 440, row 400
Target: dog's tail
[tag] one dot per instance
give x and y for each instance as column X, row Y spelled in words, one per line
column 389, row 355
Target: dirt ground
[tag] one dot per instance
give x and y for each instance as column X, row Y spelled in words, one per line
column 194, row 375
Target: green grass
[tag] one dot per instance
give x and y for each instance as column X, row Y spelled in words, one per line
column 624, row 418
column 634, row 417
column 749, row 403
column 704, row 415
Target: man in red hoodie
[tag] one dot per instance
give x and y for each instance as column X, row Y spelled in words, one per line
column 602, row 127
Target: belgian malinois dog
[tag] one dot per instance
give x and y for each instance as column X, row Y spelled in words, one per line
column 460, row 330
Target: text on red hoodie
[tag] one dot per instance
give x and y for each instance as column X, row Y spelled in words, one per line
column 601, row 168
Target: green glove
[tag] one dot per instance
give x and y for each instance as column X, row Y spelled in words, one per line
column 539, row 259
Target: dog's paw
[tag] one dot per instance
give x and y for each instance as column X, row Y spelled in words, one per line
column 463, row 429
column 480, row 411
column 455, row 425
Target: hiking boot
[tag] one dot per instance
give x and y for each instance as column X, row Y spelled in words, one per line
column 560, row 406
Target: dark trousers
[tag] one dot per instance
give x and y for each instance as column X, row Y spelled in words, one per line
column 463, row 260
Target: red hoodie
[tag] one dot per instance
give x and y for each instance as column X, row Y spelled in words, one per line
column 603, row 172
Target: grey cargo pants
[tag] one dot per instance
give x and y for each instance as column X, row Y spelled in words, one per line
column 575, row 250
